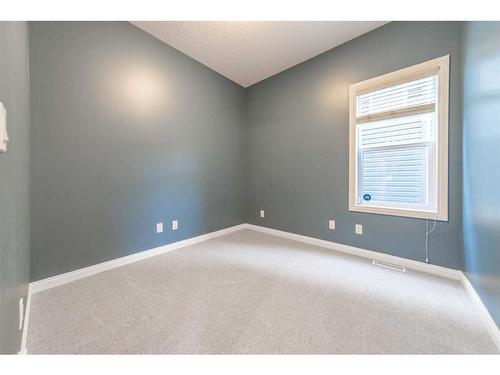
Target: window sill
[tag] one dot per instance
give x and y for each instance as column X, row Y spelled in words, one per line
column 417, row 214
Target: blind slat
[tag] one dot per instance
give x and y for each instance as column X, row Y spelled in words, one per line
column 395, row 174
column 411, row 129
column 420, row 92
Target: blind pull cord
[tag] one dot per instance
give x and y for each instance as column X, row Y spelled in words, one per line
column 427, row 233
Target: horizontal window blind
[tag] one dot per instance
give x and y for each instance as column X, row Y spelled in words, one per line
column 398, row 142
column 395, row 174
column 411, row 129
column 395, row 134
column 418, row 96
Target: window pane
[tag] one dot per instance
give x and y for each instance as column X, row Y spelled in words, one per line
column 394, row 174
column 410, row 129
column 419, row 92
column 398, row 142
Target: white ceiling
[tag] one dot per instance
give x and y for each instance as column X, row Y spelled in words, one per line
column 250, row 51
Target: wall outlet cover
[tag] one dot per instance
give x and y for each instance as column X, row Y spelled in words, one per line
column 262, row 213
column 331, row 224
column 159, row 228
column 175, row 224
column 358, row 229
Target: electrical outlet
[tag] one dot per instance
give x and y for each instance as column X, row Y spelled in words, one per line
column 175, row 224
column 262, row 213
column 159, row 228
column 358, row 229
column 331, row 224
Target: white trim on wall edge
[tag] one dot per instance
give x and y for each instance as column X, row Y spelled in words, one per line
column 408, row 263
column 485, row 315
column 26, row 319
column 449, row 273
column 54, row 281
column 64, row 278
column 370, row 254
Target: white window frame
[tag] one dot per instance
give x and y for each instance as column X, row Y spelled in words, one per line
column 441, row 66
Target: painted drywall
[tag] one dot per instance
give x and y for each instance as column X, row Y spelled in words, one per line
column 14, row 182
column 127, row 132
column 297, row 130
column 481, row 163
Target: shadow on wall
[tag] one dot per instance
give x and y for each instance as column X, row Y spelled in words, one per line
column 481, row 143
column 127, row 133
column 14, row 182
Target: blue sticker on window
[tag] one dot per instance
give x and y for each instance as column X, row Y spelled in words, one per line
column 367, row 197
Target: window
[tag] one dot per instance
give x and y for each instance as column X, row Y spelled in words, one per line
column 398, row 142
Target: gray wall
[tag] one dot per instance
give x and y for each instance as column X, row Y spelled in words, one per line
column 481, row 142
column 298, row 143
column 14, row 182
column 127, row 132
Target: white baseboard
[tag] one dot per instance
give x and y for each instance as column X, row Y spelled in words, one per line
column 52, row 282
column 26, row 320
column 485, row 315
column 449, row 273
column 372, row 255
column 408, row 263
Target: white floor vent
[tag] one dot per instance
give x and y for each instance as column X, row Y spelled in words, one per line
column 390, row 266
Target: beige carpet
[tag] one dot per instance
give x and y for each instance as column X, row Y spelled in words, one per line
column 249, row 292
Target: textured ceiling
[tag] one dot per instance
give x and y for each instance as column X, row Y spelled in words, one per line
column 247, row 51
